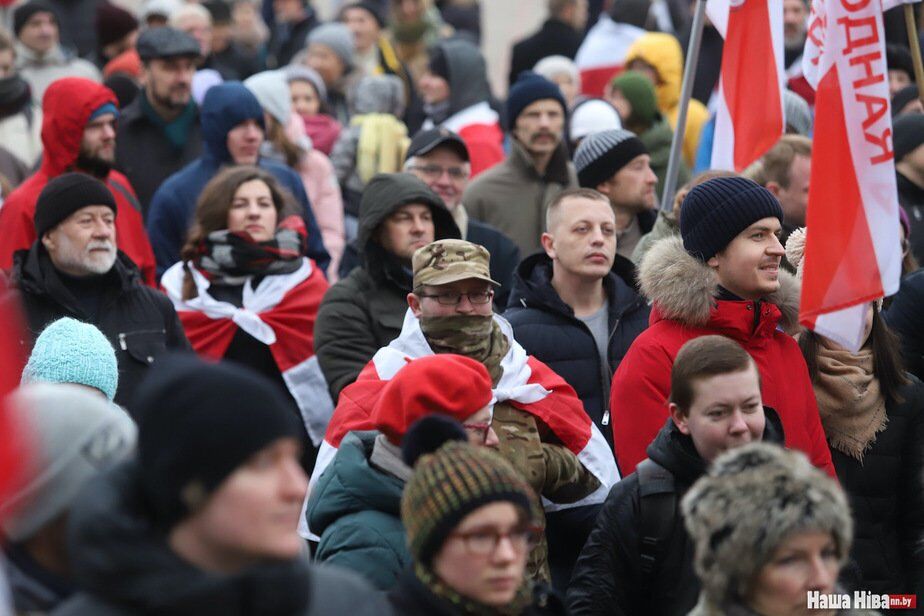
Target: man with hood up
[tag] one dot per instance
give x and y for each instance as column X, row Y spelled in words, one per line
column 232, row 131
column 365, row 310
column 456, row 96
column 78, row 134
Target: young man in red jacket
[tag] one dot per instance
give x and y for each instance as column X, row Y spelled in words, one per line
column 722, row 276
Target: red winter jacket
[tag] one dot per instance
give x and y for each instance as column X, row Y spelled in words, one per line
column 683, row 290
column 67, row 107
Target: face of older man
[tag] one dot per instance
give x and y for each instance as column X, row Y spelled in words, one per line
column 84, row 243
column 445, row 173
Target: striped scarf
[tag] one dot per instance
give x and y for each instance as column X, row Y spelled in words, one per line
column 230, row 256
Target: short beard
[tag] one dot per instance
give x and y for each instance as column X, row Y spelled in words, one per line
column 89, row 264
column 166, row 102
column 93, row 165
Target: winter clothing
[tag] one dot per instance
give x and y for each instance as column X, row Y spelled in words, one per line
column 657, row 140
column 75, row 436
column 554, row 38
column 124, row 566
column 173, row 205
column 468, row 113
column 166, row 42
column 336, row 37
column 911, row 198
column 664, row 226
column 529, row 88
column 287, row 39
column 548, row 330
column 20, row 120
column 798, row 114
column 68, row 105
column 364, row 311
column 602, row 154
column 590, row 116
column 66, row 194
column 903, row 318
column 68, row 351
column 113, row 23
column 662, row 51
column 24, row 12
column 753, row 498
column 33, row 589
column 909, row 134
column 512, row 197
column 609, row 577
column 139, row 322
column 446, row 261
column 41, row 71
column 685, row 291
column 714, row 212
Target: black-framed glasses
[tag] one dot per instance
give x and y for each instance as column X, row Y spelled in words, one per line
column 479, row 429
column 436, row 171
column 484, row 541
column 453, row 299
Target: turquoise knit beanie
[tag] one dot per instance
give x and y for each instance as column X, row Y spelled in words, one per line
column 69, row 351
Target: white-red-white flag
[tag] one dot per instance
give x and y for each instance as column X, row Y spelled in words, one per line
column 853, row 249
column 749, row 114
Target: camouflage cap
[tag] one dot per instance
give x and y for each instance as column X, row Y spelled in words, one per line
column 445, row 261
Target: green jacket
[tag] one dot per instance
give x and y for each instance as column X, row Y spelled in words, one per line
column 356, row 510
column 657, row 140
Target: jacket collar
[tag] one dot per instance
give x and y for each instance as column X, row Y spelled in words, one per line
column 684, row 289
column 558, row 170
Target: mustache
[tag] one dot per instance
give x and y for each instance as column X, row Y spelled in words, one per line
column 101, row 245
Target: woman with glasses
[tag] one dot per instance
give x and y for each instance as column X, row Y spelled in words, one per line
column 354, row 506
column 471, row 520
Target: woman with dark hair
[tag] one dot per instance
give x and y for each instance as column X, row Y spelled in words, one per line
column 872, row 412
column 244, row 289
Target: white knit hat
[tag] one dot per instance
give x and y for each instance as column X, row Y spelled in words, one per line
column 272, row 91
column 593, row 115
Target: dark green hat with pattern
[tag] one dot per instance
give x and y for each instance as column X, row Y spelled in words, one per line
column 450, row 260
column 452, row 482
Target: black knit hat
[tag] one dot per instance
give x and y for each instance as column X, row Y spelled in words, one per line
column 370, row 7
column 902, row 98
column 66, row 194
column 529, row 88
column 198, row 422
column 27, row 10
column 907, row 134
column 717, row 210
column 602, row 154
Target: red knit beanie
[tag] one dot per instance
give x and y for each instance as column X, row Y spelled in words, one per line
column 448, row 384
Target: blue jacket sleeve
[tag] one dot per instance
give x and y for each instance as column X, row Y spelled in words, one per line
column 166, row 228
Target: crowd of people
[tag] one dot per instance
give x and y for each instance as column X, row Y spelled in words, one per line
column 314, row 323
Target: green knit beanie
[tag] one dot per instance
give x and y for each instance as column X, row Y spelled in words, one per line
column 640, row 93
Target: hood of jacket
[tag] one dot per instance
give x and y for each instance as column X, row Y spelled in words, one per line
column 675, row 451
column 657, row 140
column 663, row 52
column 380, row 94
column 683, row 288
column 67, row 106
column 532, row 287
column 119, row 556
column 351, row 484
column 468, row 74
column 224, row 107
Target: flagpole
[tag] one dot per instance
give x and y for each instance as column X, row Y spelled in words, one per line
column 915, row 45
column 686, row 91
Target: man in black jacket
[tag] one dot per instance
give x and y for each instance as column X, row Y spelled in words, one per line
column 74, row 269
column 560, row 35
column 440, row 159
column 639, row 559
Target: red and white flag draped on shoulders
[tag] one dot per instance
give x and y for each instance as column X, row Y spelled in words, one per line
column 853, row 250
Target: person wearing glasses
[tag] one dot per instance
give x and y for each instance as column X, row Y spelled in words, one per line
column 354, row 506
column 471, row 520
column 440, row 158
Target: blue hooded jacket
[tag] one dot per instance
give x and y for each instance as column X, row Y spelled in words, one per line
column 174, row 204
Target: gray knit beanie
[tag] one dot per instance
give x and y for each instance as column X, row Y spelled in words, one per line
column 338, row 38
column 602, row 154
column 272, row 91
column 753, row 499
column 75, row 435
column 797, row 112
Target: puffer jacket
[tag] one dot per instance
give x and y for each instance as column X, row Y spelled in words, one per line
column 123, row 566
column 608, row 576
column 548, row 330
column 364, row 311
column 662, row 51
column 67, row 108
column 355, row 509
column 173, row 206
column 683, row 291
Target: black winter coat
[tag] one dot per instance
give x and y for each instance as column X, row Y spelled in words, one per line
column 886, row 495
column 911, row 197
column 904, row 317
column 607, row 578
column 548, row 330
column 139, row 321
column 554, row 38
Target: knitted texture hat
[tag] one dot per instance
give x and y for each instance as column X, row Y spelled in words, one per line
column 66, row 194
column 751, row 501
column 449, row 384
column 528, row 89
column 717, row 210
column 69, row 351
column 452, row 482
column 25, row 11
column 601, row 155
column 552, row 66
column 338, row 38
column 198, row 422
column 797, row 112
column 272, row 90
column 297, row 72
column 907, row 134
column 113, row 23
column 638, row 90
column 592, row 115
column 902, row 98
column 373, row 8
column 76, row 434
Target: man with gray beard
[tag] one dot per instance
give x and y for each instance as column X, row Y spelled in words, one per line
column 74, row 269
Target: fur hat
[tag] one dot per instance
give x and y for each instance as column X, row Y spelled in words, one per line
column 750, row 502
column 795, row 250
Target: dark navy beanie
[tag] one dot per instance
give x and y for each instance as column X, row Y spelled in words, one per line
column 529, row 88
column 714, row 212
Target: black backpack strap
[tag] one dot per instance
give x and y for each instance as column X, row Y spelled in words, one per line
column 658, row 513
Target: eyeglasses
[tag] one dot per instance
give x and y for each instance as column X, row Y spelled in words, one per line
column 484, row 541
column 434, row 172
column 481, row 429
column 453, row 299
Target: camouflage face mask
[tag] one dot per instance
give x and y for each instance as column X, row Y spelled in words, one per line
column 474, row 336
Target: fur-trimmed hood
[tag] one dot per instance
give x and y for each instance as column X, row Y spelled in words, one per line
column 683, row 288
